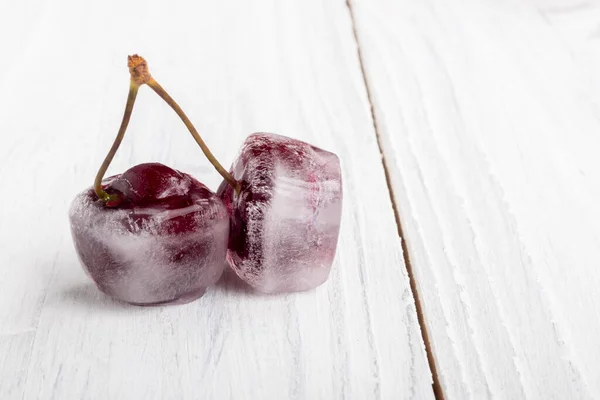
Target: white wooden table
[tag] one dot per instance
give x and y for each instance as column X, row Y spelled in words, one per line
column 471, row 129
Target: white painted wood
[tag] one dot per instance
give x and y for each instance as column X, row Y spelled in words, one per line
column 236, row 67
column 488, row 112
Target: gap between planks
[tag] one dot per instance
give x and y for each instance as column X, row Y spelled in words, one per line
column 437, row 388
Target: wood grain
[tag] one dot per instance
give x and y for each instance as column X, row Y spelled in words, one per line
column 236, row 67
column 489, row 120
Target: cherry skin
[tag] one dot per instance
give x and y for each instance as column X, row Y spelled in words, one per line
column 161, row 239
column 285, row 220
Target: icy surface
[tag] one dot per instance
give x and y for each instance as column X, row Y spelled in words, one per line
column 165, row 251
column 286, row 220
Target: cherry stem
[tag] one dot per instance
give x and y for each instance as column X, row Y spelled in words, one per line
column 133, row 90
column 138, row 68
column 169, row 100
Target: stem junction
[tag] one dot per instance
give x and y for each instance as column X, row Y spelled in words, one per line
column 138, row 69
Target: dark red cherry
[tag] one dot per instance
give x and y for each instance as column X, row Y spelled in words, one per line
column 285, row 220
column 152, row 235
column 163, row 241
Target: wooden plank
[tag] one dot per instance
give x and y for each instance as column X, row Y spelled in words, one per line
column 236, row 67
column 490, row 126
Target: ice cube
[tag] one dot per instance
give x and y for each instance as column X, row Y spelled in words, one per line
column 285, row 222
column 165, row 242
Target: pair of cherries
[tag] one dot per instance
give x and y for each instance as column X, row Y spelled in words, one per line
column 154, row 235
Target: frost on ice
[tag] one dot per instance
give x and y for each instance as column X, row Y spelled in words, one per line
column 286, row 220
column 166, row 252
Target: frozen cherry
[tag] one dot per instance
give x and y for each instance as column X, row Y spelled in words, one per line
column 164, row 243
column 152, row 235
column 285, row 217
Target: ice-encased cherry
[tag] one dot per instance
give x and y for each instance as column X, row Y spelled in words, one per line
column 285, row 220
column 164, row 242
column 152, row 235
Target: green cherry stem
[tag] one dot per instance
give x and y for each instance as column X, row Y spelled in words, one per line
column 133, row 90
column 169, row 100
column 138, row 69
